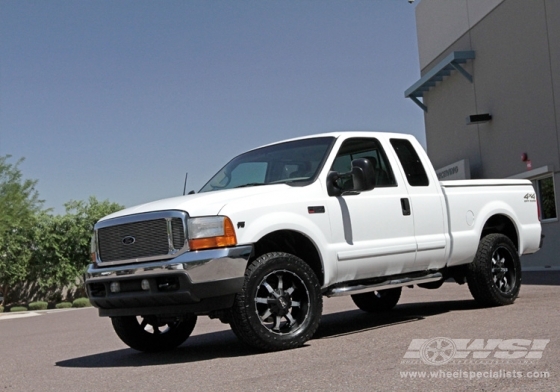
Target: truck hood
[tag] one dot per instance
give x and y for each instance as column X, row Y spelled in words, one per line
column 201, row 204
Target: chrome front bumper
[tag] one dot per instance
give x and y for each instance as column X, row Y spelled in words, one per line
column 193, row 282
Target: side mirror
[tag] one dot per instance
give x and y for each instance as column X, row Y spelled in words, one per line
column 363, row 175
column 332, row 187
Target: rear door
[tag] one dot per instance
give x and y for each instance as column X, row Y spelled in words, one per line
column 427, row 205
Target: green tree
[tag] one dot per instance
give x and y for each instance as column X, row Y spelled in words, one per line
column 19, row 204
column 84, row 216
column 63, row 242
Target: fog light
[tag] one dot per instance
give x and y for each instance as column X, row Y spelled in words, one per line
column 145, row 284
column 115, row 287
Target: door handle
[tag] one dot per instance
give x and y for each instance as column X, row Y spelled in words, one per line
column 405, row 204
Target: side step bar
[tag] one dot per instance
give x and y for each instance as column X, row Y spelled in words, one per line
column 388, row 284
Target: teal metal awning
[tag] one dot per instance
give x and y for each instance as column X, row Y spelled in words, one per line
column 436, row 74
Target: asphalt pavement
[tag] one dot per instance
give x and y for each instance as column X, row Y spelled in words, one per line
column 437, row 340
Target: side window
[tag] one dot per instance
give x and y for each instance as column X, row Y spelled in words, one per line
column 364, row 148
column 547, row 198
column 413, row 168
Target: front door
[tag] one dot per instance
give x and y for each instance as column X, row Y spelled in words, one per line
column 373, row 231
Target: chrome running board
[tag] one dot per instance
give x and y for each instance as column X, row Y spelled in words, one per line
column 388, row 284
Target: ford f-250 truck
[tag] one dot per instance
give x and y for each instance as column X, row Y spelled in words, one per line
column 281, row 226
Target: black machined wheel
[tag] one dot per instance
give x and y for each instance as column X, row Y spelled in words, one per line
column 377, row 301
column 282, row 302
column 280, row 305
column 494, row 277
column 154, row 333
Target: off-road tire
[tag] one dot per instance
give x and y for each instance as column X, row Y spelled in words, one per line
column 280, row 305
column 378, row 301
column 146, row 333
column 494, row 277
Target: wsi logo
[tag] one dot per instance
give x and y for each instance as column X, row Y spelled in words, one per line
column 439, row 351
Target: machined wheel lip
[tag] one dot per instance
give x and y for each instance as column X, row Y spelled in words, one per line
column 282, row 302
column 503, row 270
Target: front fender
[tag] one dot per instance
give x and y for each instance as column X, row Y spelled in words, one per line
column 316, row 227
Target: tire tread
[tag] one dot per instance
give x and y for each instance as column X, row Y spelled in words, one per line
column 371, row 303
column 479, row 277
column 240, row 322
column 132, row 334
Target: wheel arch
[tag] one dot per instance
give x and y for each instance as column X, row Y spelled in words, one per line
column 295, row 243
column 501, row 224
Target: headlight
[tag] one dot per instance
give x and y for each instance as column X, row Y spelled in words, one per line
column 210, row 232
column 93, row 249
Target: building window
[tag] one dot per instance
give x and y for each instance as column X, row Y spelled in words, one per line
column 547, row 197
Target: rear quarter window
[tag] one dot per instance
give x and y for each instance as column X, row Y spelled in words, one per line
column 410, row 161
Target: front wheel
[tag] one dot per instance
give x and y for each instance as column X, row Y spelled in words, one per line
column 280, row 304
column 494, row 277
column 154, row 333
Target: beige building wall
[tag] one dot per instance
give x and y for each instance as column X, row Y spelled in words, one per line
column 516, row 78
column 449, row 20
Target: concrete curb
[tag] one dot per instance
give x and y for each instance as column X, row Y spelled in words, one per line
column 32, row 313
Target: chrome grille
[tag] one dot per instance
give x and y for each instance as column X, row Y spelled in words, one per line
column 178, row 233
column 150, row 239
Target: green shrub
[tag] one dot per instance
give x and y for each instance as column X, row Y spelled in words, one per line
column 18, row 309
column 39, row 305
column 1, row 309
column 81, row 303
column 63, row 305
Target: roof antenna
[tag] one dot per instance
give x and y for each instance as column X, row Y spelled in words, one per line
column 185, row 186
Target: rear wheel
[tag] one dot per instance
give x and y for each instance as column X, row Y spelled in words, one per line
column 280, row 304
column 494, row 277
column 378, row 301
column 154, row 333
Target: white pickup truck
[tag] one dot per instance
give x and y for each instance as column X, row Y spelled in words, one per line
column 281, row 226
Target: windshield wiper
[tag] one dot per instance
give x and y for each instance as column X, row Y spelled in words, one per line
column 290, row 180
column 250, row 184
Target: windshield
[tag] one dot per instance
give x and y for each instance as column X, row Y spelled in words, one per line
column 296, row 161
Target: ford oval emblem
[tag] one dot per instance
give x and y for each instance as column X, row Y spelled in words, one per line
column 128, row 240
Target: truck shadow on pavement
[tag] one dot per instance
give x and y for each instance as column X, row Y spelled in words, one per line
column 224, row 344
column 356, row 321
